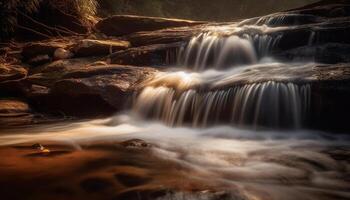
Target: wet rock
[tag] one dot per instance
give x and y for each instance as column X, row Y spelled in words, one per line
column 38, row 146
column 119, row 25
column 136, row 143
column 89, row 47
column 330, row 53
column 287, row 19
column 158, row 54
column 131, row 180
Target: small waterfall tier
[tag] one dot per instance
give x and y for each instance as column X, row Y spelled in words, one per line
column 177, row 100
column 210, row 50
column 213, row 50
column 227, row 84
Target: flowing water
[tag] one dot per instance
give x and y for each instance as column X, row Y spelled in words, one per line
column 231, row 113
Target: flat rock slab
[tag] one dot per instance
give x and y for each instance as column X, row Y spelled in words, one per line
column 88, row 47
column 120, row 25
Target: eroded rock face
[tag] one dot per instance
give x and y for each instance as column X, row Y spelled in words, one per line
column 93, row 90
column 119, row 25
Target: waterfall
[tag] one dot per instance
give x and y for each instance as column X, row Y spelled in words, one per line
column 199, row 100
column 271, row 104
column 214, row 51
column 210, row 50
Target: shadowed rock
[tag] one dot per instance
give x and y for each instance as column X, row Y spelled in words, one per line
column 155, row 55
column 130, row 180
column 99, row 89
column 95, row 184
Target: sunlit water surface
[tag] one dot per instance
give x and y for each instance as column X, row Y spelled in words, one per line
column 285, row 165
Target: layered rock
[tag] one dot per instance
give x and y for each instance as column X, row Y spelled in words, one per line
column 120, row 25
column 89, row 47
column 15, row 112
column 85, row 89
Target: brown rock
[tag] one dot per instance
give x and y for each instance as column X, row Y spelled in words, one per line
column 60, row 54
column 12, row 108
column 95, row 90
column 119, row 25
column 158, row 54
column 164, row 36
column 10, row 73
column 34, row 49
column 88, row 47
column 48, row 74
column 12, row 80
column 17, row 112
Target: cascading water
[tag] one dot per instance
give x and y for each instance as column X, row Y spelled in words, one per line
column 224, row 81
column 209, row 50
column 270, row 104
column 180, row 98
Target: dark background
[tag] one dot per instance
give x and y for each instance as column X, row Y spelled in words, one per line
column 214, row 10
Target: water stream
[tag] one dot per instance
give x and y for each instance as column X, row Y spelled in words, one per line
column 220, row 114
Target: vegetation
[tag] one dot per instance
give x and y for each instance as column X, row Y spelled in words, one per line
column 11, row 10
column 218, row 10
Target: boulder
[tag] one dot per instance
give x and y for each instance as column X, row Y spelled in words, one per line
column 99, row 90
column 60, row 54
column 88, row 47
column 120, row 25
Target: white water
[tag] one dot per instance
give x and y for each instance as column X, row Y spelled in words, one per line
column 285, row 165
column 271, row 104
column 209, row 50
